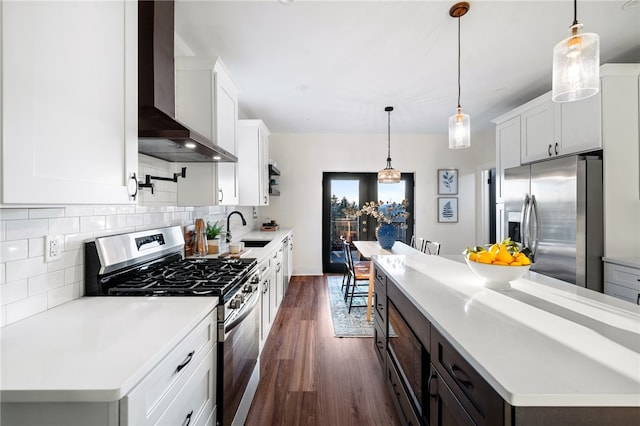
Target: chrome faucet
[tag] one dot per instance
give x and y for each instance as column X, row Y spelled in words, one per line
column 244, row 223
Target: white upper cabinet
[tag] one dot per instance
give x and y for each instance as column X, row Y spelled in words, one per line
column 69, row 108
column 206, row 100
column 551, row 129
column 540, row 129
column 253, row 162
column 507, row 150
column 582, row 125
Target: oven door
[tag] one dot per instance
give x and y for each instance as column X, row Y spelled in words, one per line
column 239, row 350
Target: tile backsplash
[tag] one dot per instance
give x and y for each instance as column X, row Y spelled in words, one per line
column 29, row 285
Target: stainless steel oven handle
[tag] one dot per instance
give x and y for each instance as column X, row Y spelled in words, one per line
column 228, row 328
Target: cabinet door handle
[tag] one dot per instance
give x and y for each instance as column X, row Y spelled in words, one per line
column 187, row 420
column 185, row 362
column 460, row 376
column 433, row 379
column 549, row 150
column 132, row 186
column 556, row 148
column 638, row 299
column 265, row 199
column 221, row 197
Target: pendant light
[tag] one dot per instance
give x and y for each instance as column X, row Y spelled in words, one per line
column 459, row 123
column 576, row 64
column 389, row 174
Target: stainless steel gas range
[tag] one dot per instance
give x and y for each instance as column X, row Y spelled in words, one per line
column 151, row 263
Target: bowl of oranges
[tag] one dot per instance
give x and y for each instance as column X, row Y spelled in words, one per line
column 499, row 263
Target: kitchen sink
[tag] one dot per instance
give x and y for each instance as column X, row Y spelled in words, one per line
column 255, row 243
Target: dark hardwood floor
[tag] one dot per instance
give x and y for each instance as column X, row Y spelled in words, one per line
column 309, row 377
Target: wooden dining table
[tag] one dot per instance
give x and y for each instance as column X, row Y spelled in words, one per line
column 372, row 248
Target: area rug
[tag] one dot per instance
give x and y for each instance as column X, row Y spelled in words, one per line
column 347, row 324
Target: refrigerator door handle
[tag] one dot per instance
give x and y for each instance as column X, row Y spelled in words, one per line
column 523, row 220
column 533, row 211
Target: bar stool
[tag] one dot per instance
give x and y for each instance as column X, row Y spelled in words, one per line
column 359, row 275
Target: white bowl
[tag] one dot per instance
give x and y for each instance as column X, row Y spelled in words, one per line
column 497, row 276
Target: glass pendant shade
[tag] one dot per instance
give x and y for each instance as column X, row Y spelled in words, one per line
column 459, row 130
column 389, row 176
column 576, row 67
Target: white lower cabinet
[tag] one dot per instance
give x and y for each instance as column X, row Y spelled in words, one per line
column 181, row 387
column 622, row 282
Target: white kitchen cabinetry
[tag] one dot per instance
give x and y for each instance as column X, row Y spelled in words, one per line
column 540, row 129
column 288, row 260
column 181, row 389
column 622, row 282
column 279, row 272
column 265, row 290
column 69, row 102
column 551, row 129
column 206, row 100
column 253, row 162
column 507, row 149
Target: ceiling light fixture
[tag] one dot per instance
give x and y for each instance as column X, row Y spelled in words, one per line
column 459, row 123
column 576, row 64
column 389, row 174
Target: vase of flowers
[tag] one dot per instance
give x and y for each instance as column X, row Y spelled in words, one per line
column 388, row 215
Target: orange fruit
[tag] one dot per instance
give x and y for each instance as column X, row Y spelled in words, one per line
column 504, row 256
column 485, row 257
column 473, row 256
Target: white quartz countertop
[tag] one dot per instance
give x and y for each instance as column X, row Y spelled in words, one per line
column 275, row 241
column 93, row 348
column 544, row 342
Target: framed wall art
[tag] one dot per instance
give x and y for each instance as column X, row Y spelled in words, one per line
column 447, row 181
column 448, row 209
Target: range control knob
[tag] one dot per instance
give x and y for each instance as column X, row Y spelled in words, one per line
column 248, row 288
column 235, row 303
column 255, row 279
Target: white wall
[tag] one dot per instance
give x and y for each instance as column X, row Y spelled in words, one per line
column 302, row 158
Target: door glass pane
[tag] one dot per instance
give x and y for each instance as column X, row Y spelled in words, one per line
column 343, row 221
column 395, row 192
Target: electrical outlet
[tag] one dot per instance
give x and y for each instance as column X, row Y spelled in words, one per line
column 52, row 248
column 255, row 213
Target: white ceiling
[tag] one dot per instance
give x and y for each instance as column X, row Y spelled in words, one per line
column 332, row 66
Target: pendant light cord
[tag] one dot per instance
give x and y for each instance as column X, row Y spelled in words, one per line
column 458, row 62
column 575, row 12
column 389, row 139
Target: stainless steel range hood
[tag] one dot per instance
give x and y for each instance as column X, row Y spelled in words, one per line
column 160, row 135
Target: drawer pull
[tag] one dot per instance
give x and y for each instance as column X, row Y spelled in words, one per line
column 185, row 362
column 433, row 379
column 187, row 420
column 457, row 374
column 395, row 389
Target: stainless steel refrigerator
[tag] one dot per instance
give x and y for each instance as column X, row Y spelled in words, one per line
column 554, row 207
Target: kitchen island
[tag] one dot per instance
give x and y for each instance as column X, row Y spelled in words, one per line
column 548, row 349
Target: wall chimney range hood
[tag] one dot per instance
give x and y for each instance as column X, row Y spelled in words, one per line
column 160, row 135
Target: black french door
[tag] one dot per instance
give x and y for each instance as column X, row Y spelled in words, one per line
column 342, row 196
